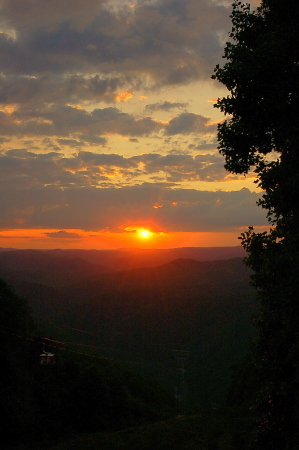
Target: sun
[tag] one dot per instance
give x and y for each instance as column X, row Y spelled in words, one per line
column 144, row 233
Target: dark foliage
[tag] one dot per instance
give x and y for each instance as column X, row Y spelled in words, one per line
column 195, row 432
column 79, row 394
column 262, row 75
column 143, row 314
column 17, row 406
column 140, row 316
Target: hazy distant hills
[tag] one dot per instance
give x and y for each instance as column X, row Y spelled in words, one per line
column 49, row 266
column 141, row 314
column 46, row 267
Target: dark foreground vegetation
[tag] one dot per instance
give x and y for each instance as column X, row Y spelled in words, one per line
column 80, row 394
column 261, row 73
column 139, row 317
column 210, row 430
column 89, row 402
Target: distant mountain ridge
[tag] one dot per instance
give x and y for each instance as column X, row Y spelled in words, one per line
column 60, row 267
column 42, row 267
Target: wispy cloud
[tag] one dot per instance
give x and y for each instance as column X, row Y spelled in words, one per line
column 62, row 234
column 115, row 209
column 87, row 168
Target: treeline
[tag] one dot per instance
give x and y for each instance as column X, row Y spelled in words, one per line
column 81, row 394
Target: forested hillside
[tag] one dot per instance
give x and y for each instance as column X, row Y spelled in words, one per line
column 138, row 317
column 43, row 403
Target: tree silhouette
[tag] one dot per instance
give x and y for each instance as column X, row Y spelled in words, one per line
column 17, row 406
column 261, row 134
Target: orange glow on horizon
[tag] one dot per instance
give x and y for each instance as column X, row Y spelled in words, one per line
column 105, row 239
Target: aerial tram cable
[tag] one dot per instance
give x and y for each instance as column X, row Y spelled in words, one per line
column 45, row 354
column 60, row 342
column 75, row 329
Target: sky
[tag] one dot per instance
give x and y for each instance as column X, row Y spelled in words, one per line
column 108, row 133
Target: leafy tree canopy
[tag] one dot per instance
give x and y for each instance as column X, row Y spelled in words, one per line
column 261, row 73
column 261, row 133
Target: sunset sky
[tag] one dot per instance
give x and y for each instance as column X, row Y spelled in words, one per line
column 107, row 126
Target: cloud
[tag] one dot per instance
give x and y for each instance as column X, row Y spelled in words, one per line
column 91, row 208
column 62, row 234
column 168, row 41
column 81, row 126
column 59, row 58
column 65, row 120
column 20, row 167
column 50, row 87
column 182, row 167
column 165, row 106
column 53, row 191
column 65, row 66
column 186, row 123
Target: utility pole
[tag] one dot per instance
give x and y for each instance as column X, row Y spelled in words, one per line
column 181, row 356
